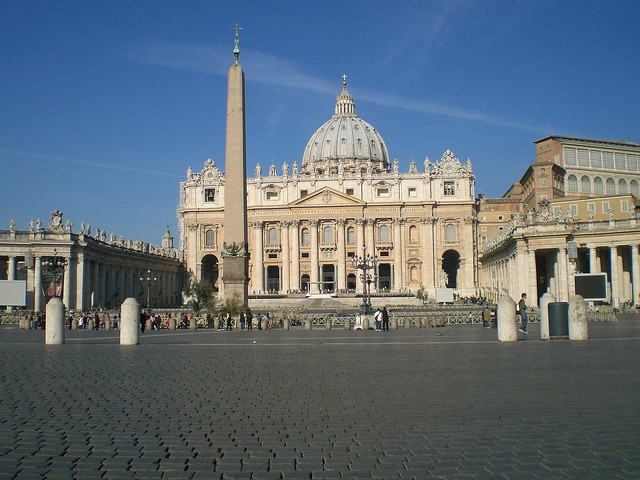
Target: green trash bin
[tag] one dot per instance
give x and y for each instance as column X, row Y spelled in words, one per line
column 558, row 319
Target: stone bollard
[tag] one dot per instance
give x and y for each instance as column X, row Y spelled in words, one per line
column 407, row 322
column 347, row 324
column 545, row 300
column 578, row 327
column 264, row 324
column 328, row 324
column 307, row 324
column 216, row 324
column 107, row 323
column 172, row 324
column 365, row 322
column 130, row 322
column 74, row 323
column 147, row 326
column 507, row 331
column 193, row 323
column 55, row 322
column 285, row 324
column 394, row 323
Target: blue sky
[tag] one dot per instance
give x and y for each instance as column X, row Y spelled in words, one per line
column 105, row 104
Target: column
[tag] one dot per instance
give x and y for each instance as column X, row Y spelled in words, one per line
column 313, row 235
column 532, row 273
column 37, row 285
column 563, row 280
column 635, row 274
column 67, row 283
column 11, row 275
column 285, row 256
column 80, row 281
column 342, row 256
column 295, row 255
column 427, row 267
column 258, row 261
column 615, row 274
column 360, row 241
column 95, row 282
column 398, row 266
column 593, row 253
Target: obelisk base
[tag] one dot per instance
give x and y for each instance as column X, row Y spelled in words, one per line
column 236, row 283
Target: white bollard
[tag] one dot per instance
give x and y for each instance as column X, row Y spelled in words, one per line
column 55, row 322
column 507, row 331
column 578, row 327
column 130, row 322
column 328, row 324
column 193, row 323
column 307, row 324
column 347, row 324
column 366, row 319
column 285, row 324
column 545, row 300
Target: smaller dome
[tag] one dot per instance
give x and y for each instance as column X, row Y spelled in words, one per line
column 345, row 143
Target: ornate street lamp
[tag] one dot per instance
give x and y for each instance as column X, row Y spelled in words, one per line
column 366, row 262
column 56, row 267
column 148, row 281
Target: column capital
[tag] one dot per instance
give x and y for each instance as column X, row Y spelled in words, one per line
column 313, row 223
column 294, row 223
column 256, row 225
column 341, row 222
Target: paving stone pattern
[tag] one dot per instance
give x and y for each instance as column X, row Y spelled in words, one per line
column 450, row 403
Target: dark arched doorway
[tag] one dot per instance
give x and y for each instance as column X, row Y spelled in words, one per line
column 209, row 270
column 451, row 265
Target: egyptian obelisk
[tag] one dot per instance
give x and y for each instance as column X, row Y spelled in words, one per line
column 235, row 256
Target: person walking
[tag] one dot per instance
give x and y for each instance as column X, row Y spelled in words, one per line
column 522, row 307
column 385, row 319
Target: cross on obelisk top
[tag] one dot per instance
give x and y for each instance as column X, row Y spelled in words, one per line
column 236, row 43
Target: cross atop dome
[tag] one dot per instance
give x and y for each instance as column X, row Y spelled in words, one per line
column 345, row 104
column 344, row 79
column 236, row 43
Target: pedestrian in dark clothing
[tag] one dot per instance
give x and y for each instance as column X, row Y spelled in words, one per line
column 522, row 307
column 385, row 319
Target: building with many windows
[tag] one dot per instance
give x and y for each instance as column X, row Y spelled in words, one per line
column 344, row 198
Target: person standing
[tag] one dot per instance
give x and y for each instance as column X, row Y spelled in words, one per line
column 486, row 316
column 378, row 318
column 249, row 319
column 242, row 320
column 522, row 307
column 385, row 319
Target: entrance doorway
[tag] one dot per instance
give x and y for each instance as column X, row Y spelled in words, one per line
column 451, row 265
column 384, row 277
column 328, row 279
column 209, row 272
column 273, row 279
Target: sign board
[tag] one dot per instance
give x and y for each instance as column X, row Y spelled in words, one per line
column 592, row 286
column 13, row 293
column 444, row 295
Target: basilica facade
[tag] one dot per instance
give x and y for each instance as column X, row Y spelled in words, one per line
column 342, row 199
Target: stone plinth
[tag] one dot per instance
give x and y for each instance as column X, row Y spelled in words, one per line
column 578, row 326
column 55, row 322
column 130, row 323
column 507, row 330
column 193, row 323
column 545, row 300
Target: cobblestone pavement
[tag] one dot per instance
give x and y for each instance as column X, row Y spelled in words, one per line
column 450, row 403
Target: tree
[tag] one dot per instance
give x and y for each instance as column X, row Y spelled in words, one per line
column 422, row 294
column 200, row 295
column 234, row 305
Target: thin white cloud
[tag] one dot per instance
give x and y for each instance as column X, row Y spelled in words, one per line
column 87, row 163
column 269, row 69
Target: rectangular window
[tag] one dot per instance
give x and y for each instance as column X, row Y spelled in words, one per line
column 351, row 254
column 632, row 162
column 621, row 163
column 384, row 253
column 583, row 157
column 209, row 194
column 624, row 206
column 350, row 191
column 413, row 192
column 574, row 210
column 305, row 255
column 273, row 255
column 382, row 192
column 557, row 212
column 605, row 207
column 570, row 156
column 591, row 208
column 596, row 158
column 607, row 159
column 304, row 193
column 449, row 188
column 272, row 195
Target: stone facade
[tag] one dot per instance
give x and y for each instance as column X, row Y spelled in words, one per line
column 307, row 222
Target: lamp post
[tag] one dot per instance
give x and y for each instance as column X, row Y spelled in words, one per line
column 148, row 281
column 366, row 262
column 56, row 266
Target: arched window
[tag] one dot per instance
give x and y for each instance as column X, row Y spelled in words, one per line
column 351, row 235
column 450, row 233
column 209, row 238
column 585, row 184
column 572, row 183
column 384, row 233
column 414, row 274
column 327, row 234
column 413, row 233
column 622, row 186
column 305, row 236
column 598, row 186
column 611, row 186
column 635, row 191
column 273, row 236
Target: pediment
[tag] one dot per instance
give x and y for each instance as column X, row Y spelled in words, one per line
column 327, row 197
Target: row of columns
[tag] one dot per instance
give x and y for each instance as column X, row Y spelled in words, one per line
column 364, row 235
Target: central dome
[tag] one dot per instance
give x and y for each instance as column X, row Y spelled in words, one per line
column 345, row 143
